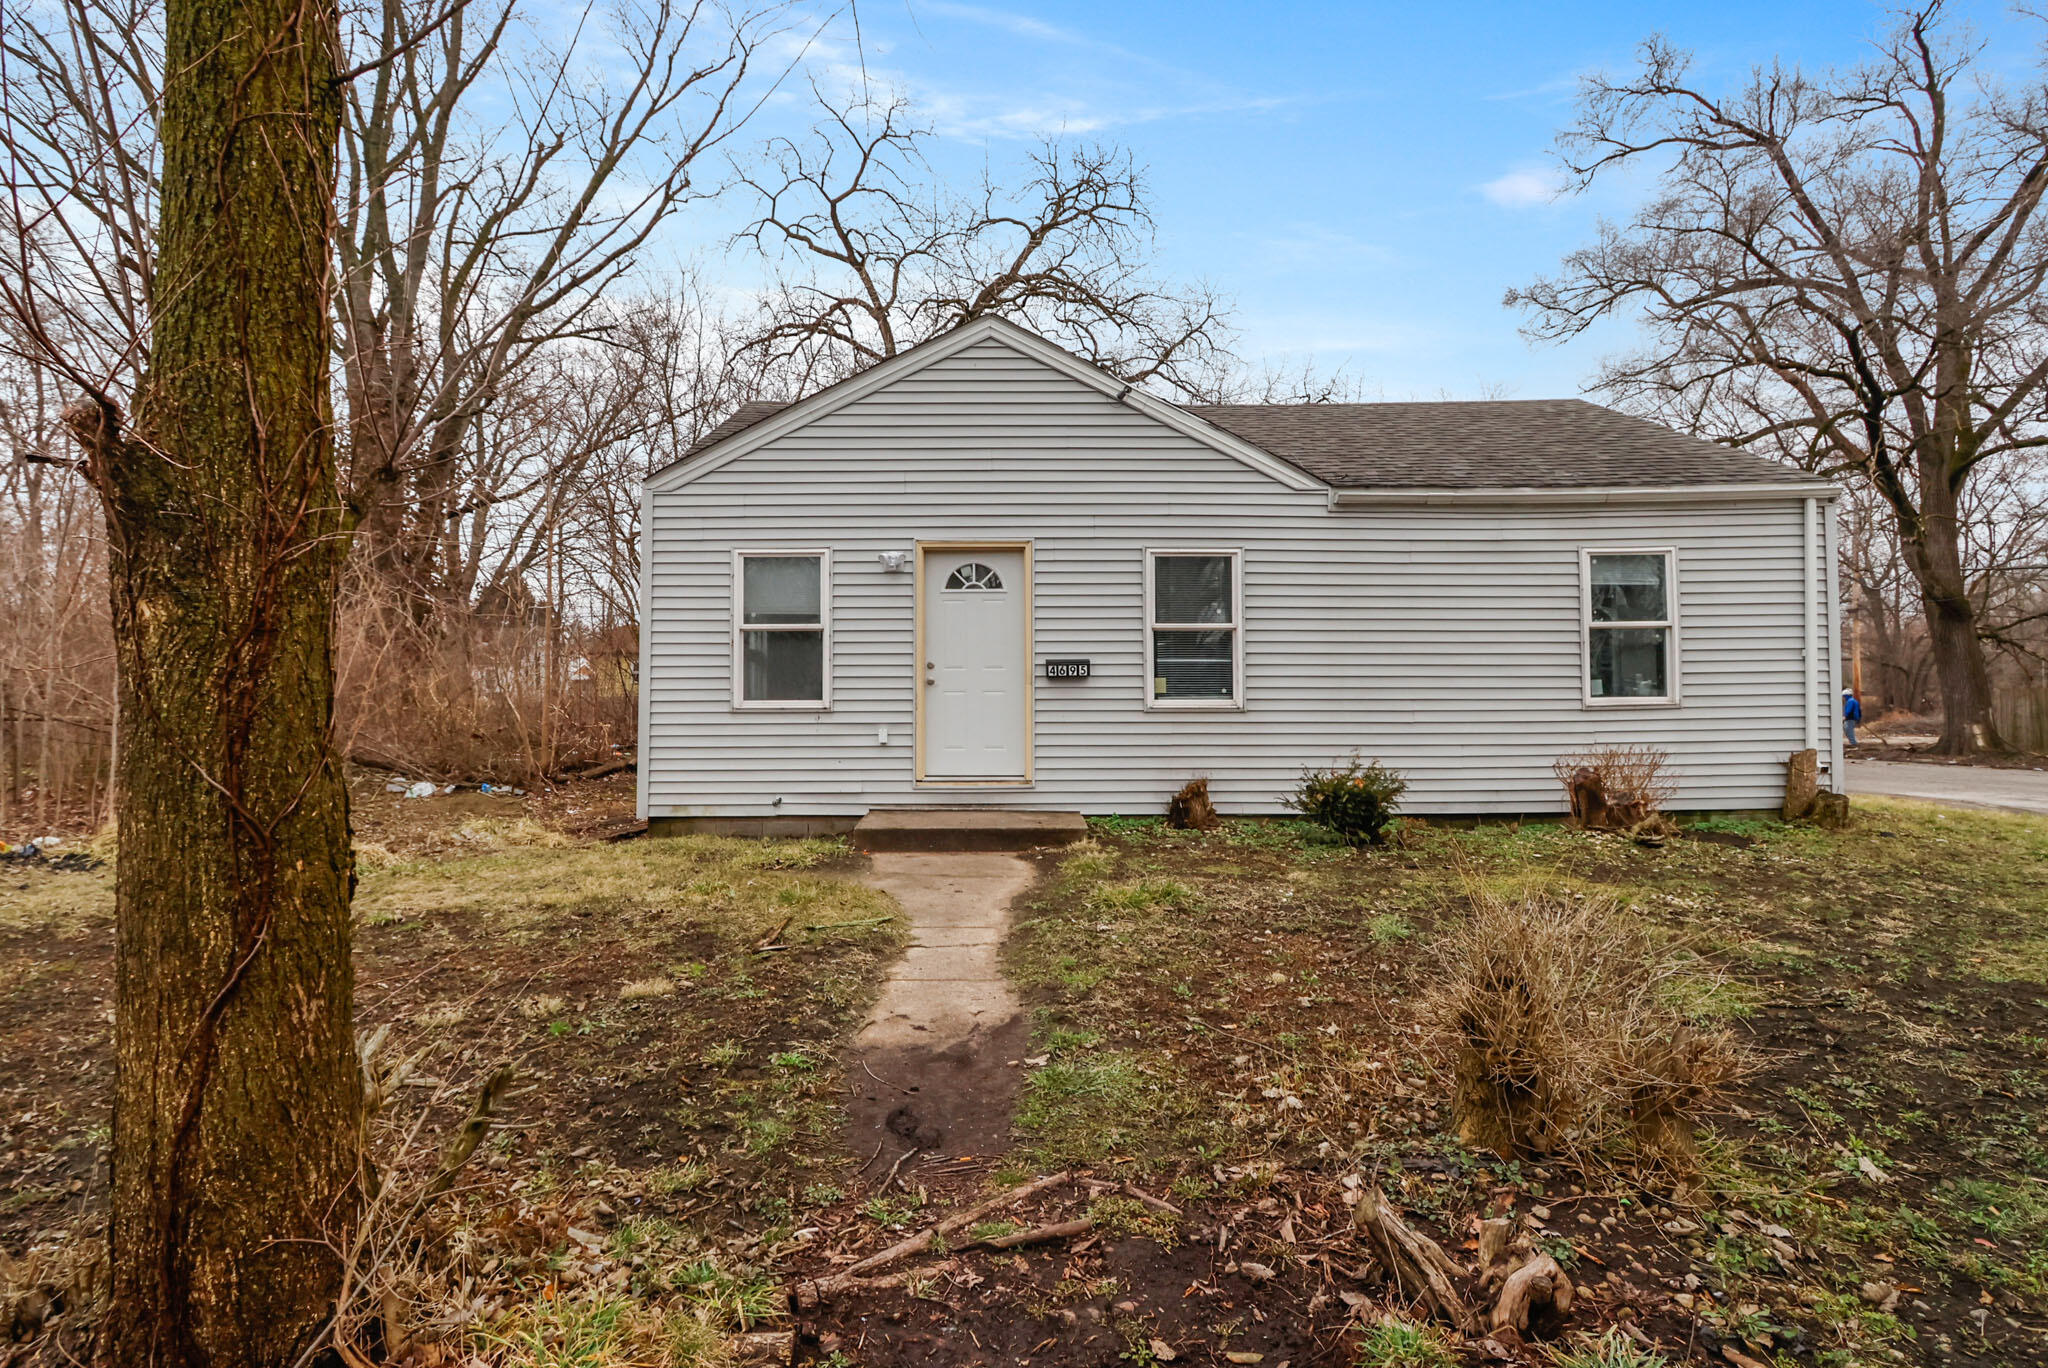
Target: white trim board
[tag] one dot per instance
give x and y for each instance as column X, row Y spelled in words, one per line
column 1672, row 625
column 738, row 596
column 1585, row 494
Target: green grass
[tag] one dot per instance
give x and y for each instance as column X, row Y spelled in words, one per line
column 1389, row 928
column 1612, row 1350
column 1082, row 1108
column 1397, row 1343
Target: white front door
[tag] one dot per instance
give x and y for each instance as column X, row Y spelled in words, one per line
column 977, row 671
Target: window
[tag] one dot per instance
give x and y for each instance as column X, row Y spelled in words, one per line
column 1194, row 645
column 781, row 629
column 1631, row 621
column 974, row 575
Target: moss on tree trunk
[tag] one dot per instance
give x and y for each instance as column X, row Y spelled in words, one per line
column 237, row 1096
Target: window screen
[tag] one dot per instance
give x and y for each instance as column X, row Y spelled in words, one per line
column 1628, row 636
column 782, row 621
column 1194, row 627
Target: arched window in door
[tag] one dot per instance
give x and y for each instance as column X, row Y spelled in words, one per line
column 974, row 575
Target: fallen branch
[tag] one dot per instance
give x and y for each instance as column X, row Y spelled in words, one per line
column 1413, row 1259
column 808, row 1294
column 603, row 771
column 472, row 1133
column 762, row 1346
column 894, row 1168
column 901, row 1278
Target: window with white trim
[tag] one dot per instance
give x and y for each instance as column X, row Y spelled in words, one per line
column 1194, row 641
column 781, row 628
column 1631, row 621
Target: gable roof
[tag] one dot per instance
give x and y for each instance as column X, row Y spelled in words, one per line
column 754, row 425
column 1449, row 446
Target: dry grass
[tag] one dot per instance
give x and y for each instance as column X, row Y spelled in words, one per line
column 1559, row 1019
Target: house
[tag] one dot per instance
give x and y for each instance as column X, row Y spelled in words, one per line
column 986, row 573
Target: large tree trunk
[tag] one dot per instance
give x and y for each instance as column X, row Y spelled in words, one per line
column 237, row 1092
column 1935, row 557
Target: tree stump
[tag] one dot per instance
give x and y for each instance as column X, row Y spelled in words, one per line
column 1831, row 810
column 1802, row 784
column 1191, row 810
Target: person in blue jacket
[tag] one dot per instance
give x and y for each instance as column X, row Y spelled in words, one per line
column 1852, row 713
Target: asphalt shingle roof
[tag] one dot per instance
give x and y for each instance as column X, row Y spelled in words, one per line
column 1486, row 444
column 1483, row 444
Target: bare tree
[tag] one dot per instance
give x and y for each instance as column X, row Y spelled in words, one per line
column 1844, row 270
column 471, row 247
column 874, row 255
column 78, row 126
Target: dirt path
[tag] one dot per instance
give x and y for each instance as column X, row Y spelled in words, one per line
column 935, row 1068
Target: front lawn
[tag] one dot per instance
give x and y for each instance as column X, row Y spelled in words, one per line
column 1230, row 1043
column 1250, row 1000
column 671, row 1012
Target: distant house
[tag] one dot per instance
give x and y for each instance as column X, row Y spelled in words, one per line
column 985, row 572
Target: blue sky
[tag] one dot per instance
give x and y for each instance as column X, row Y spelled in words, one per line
column 1365, row 180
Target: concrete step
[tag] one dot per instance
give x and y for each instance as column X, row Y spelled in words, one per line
column 965, row 829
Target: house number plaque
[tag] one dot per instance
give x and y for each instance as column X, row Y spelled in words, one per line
column 1066, row 669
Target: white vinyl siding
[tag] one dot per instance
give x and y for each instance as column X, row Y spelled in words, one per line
column 1445, row 641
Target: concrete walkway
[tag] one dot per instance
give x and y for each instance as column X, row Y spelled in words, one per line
column 1977, row 786
column 935, row 1066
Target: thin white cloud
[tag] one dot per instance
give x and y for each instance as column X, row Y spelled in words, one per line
column 1020, row 25
column 1543, row 90
column 1318, row 245
column 1529, row 188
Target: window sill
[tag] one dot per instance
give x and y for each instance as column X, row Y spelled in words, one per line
column 1595, row 703
column 972, row 783
column 811, row 705
column 1194, row 705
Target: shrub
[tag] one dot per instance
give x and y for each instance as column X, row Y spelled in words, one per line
column 1615, row 788
column 1560, row 1021
column 1356, row 802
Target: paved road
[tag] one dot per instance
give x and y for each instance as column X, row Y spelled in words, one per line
column 1957, row 785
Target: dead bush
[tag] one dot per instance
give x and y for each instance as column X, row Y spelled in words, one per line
column 1616, row 788
column 1560, row 1022
column 53, row 1296
column 1191, row 810
column 514, row 696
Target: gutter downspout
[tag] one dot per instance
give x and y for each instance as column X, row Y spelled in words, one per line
column 1830, row 585
column 1810, row 660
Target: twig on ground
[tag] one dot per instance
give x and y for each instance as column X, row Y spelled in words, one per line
column 1057, row 1230
column 901, row 1160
